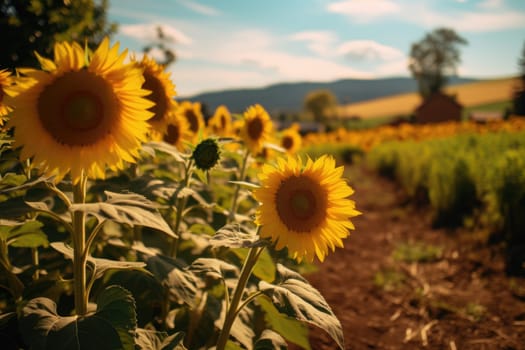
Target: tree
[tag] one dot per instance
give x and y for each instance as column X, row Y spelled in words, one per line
column 162, row 44
column 434, row 58
column 518, row 100
column 35, row 25
column 320, row 103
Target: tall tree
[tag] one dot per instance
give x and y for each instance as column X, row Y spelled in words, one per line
column 162, row 47
column 434, row 58
column 27, row 26
column 518, row 100
column 320, row 103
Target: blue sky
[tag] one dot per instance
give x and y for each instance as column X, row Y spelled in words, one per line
column 247, row 43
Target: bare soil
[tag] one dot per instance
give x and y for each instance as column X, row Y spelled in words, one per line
column 461, row 300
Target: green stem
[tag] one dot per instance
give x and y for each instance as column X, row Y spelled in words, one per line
column 79, row 247
column 180, row 205
column 35, row 260
column 242, row 174
column 232, row 311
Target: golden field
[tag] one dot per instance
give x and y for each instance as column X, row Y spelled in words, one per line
column 469, row 95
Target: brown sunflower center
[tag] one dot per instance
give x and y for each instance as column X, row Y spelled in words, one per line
column 255, row 128
column 301, row 203
column 172, row 135
column 192, row 121
column 222, row 122
column 1, row 94
column 78, row 108
column 158, row 96
column 287, row 142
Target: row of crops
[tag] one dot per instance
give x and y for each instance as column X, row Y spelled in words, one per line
column 468, row 178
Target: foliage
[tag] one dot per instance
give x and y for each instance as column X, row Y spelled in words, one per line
column 320, row 103
column 476, row 176
column 433, row 58
column 29, row 26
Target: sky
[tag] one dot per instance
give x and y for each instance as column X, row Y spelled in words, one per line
column 233, row 44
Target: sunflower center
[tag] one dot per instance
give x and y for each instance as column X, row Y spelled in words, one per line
column 78, row 108
column 157, row 96
column 193, row 121
column 82, row 111
column 255, row 128
column 287, row 142
column 1, row 94
column 222, row 121
column 172, row 134
column 301, row 203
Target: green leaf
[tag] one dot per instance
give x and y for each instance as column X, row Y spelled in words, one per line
column 110, row 327
column 164, row 148
column 23, row 234
column 290, row 328
column 213, row 268
column 265, row 266
column 15, row 179
column 131, row 208
column 100, row 265
column 231, row 236
column 269, row 340
column 297, row 298
column 151, row 340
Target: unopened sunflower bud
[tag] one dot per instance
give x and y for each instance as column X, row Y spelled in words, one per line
column 206, row 154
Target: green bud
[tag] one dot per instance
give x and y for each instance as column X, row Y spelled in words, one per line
column 206, row 154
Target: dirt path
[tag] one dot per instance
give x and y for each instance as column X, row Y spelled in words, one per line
column 461, row 300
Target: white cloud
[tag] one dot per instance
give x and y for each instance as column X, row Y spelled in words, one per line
column 368, row 50
column 364, row 11
column 319, row 42
column 199, row 8
column 147, row 32
column 491, row 4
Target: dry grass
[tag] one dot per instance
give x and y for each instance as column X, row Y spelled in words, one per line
column 469, row 95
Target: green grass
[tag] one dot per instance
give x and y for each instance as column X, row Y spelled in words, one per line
column 417, row 252
column 489, row 107
column 389, row 279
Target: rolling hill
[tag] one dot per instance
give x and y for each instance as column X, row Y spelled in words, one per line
column 289, row 97
column 468, row 94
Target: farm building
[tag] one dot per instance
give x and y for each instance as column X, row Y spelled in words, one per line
column 438, row 108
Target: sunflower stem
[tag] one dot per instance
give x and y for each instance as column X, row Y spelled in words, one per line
column 79, row 247
column 180, row 205
column 234, row 308
column 242, row 174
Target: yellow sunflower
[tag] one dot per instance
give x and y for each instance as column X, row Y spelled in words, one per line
column 191, row 111
column 5, row 85
column 158, row 81
column 177, row 132
column 305, row 207
column 83, row 113
column 257, row 128
column 220, row 124
column 291, row 140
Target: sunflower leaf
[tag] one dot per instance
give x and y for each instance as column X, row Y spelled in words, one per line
column 23, row 234
column 110, row 327
column 100, row 265
column 296, row 297
column 270, row 340
column 231, row 236
column 164, row 148
column 290, row 328
column 152, row 340
column 129, row 208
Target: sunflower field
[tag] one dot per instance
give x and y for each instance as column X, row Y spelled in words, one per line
column 127, row 222
column 471, row 179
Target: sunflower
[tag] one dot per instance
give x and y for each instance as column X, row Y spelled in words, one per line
column 177, row 132
column 83, row 113
column 257, row 128
column 304, row 207
column 220, row 124
column 191, row 111
column 158, row 81
column 5, row 85
column 291, row 140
